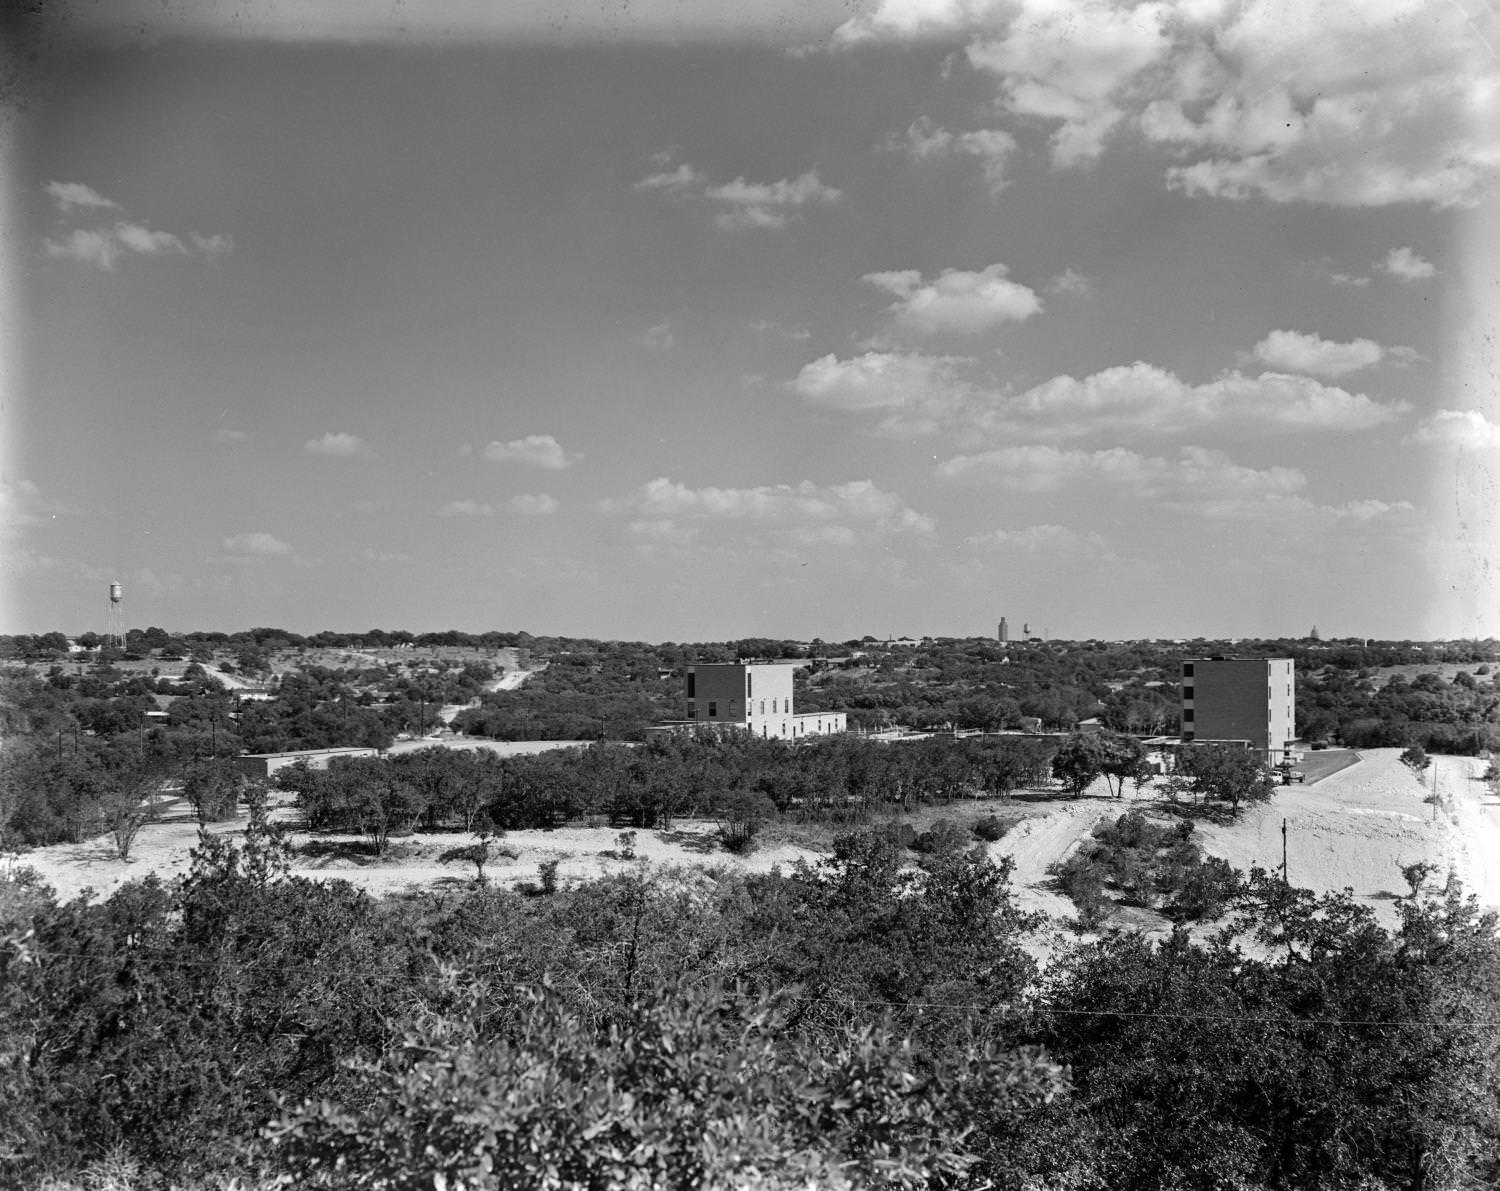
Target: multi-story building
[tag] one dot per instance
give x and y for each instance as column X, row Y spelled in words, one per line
column 1245, row 700
column 753, row 697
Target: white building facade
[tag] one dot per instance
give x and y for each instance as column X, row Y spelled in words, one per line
column 754, row 697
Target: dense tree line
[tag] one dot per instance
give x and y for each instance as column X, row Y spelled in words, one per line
column 842, row 779
column 856, row 1023
column 1461, row 715
column 581, row 695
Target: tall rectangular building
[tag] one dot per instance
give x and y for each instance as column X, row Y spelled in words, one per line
column 1240, row 699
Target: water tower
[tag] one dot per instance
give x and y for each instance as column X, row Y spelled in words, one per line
column 114, row 635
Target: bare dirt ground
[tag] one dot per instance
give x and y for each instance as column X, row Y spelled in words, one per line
column 1354, row 828
column 410, row 863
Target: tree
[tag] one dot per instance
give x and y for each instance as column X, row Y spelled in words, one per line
column 477, row 854
column 129, row 800
column 1224, row 773
column 1416, row 759
column 375, row 797
column 1079, row 761
column 213, row 789
column 1124, row 758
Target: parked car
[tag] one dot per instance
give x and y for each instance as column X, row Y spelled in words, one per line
column 1288, row 776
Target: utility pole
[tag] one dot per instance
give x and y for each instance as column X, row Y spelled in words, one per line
column 1283, row 853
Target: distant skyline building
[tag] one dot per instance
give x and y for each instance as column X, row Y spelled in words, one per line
column 114, row 633
column 1250, row 700
column 1004, row 631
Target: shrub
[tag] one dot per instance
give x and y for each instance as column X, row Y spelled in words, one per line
column 904, row 834
column 990, row 829
column 1128, row 831
column 1205, row 890
column 942, row 837
column 1081, row 878
column 659, row 1100
column 745, row 812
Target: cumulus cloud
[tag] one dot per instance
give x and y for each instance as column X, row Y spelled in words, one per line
column 1044, row 468
column 69, row 195
column 682, row 180
column 769, row 204
column 1466, row 429
column 102, row 246
column 466, row 508
column 535, row 450
column 920, row 394
column 225, row 434
column 1067, row 64
column 914, row 18
column 1405, row 264
column 534, row 504
column 1355, row 103
column 1070, row 281
column 337, row 443
column 742, row 203
column 1292, row 351
column 1364, row 511
column 1354, row 281
column 1198, row 482
column 1142, row 397
column 958, row 301
column 990, row 147
column 660, row 506
column 1196, row 478
column 256, row 544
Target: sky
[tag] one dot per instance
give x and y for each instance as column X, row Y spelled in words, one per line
column 680, row 321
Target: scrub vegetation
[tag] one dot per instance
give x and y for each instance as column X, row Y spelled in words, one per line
column 876, row 1017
